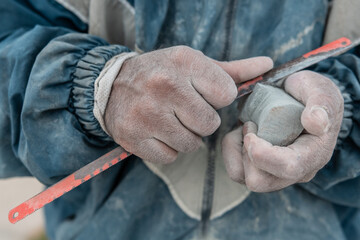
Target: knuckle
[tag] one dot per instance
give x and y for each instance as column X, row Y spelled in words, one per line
column 160, row 82
column 158, row 78
column 181, row 53
column 181, row 50
column 141, row 115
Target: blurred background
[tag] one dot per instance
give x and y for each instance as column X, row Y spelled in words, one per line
column 14, row 191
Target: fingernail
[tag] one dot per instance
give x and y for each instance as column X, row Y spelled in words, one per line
column 321, row 115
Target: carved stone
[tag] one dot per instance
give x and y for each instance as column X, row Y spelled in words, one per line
column 276, row 114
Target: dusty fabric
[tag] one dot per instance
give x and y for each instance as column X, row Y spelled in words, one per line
column 102, row 16
column 79, row 7
column 344, row 21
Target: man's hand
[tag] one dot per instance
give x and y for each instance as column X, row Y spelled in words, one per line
column 264, row 167
column 164, row 101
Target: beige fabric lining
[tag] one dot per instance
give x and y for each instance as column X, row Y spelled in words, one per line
column 185, row 180
column 103, row 85
column 227, row 193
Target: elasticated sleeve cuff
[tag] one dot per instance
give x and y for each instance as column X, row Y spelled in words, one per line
column 82, row 94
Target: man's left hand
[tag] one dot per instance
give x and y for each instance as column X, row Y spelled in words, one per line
column 264, row 167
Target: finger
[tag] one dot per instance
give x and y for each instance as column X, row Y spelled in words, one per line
column 246, row 69
column 322, row 99
column 257, row 180
column 155, row 151
column 212, row 83
column 294, row 162
column 232, row 154
column 282, row 162
column 176, row 136
column 196, row 114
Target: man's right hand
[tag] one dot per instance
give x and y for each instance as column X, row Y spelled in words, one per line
column 164, row 101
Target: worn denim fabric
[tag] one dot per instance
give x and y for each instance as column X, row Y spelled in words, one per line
column 48, row 66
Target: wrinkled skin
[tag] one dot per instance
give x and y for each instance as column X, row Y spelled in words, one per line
column 164, row 101
column 264, row 167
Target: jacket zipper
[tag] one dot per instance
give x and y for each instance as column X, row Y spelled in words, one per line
column 209, row 181
column 208, row 190
column 230, row 22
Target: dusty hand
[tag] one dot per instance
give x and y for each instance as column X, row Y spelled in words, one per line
column 164, row 101
column 264, row 167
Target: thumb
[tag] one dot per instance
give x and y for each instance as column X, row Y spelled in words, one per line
column 246, row 69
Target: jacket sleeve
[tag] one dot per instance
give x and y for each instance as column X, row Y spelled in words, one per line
column 339, row 180
column 47, row 73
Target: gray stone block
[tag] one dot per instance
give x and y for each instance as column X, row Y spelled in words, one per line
column 277, row 114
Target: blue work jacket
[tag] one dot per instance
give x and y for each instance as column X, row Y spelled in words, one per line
column 48, row 65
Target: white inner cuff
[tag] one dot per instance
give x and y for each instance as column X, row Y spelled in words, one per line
column 103, row 85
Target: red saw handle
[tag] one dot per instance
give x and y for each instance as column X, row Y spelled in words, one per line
column 67, row 184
